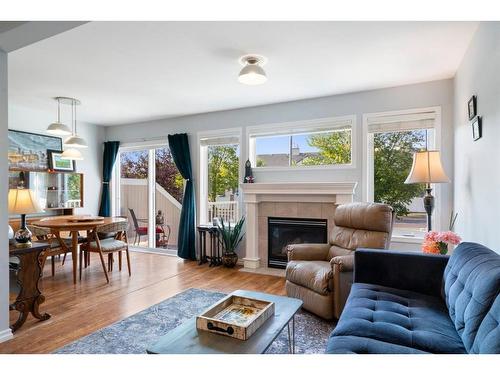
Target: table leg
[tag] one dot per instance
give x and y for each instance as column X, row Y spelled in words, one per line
column 74, row 253
column 30, row 297
column 291, row 336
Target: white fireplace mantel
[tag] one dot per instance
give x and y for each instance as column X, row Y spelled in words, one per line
column 304, row 192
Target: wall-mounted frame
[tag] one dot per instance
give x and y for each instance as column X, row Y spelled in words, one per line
column 472, row 107
column 477, row 131
column 28, row 151
column 58, row 164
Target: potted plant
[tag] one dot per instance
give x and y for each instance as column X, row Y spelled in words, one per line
column 230, row 237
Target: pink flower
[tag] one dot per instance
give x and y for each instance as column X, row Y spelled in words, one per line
column 446, row 237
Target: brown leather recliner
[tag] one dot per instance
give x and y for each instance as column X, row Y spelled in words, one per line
column 321, row 274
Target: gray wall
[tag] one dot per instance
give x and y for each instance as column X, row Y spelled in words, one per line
column 4, row 254
column 477, row 164
column 37, row 121
column 437, row 93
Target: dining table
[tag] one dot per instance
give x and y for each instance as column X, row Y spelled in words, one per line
column 74, row 224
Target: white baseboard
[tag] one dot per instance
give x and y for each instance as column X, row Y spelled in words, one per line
column 5, row 335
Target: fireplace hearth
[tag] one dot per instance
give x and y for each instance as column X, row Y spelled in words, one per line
column 286, row 231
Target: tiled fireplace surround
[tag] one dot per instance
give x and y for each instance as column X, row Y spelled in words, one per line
column 287, row 200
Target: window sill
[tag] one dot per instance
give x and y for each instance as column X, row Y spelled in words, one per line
column 407, row 239
column 304, row 168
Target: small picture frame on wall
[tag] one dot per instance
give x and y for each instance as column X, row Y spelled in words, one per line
column 476, row 128
column 472, row 107
column 58, row 164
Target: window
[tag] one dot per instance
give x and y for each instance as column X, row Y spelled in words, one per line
column 392, row 141
column 219, row 177
column 324, row 142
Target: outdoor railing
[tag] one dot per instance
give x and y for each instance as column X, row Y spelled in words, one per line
column 228, row 211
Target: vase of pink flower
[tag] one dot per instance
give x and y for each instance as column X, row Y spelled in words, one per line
column 438, row 242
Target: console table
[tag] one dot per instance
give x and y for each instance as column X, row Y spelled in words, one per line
column 28, row 274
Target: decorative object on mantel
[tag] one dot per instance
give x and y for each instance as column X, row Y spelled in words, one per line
column 235, row 316
column 56, row 163
column 427, row 168
column 58, row 128
column 28, row 151
column 477, row 131
column 230, row 238
column 248, row 173
column 22, row 202
column 472, row 107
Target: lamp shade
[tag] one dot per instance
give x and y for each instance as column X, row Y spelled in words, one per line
column 23, row 201
column 71, row 154
column 58, row 128
column 76, row 141
column 427, row 168
column 252, row 74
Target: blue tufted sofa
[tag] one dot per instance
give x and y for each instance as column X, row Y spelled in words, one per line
column 418, row 303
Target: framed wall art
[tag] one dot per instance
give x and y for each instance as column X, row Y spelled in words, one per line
column 28, row 151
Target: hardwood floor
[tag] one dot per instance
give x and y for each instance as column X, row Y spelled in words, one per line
column 91, row 304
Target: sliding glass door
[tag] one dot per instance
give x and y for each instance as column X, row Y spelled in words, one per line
column 148, row 190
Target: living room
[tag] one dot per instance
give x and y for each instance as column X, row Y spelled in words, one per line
column 250, row 187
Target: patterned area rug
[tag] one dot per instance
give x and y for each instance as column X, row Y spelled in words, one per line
column 136, row 333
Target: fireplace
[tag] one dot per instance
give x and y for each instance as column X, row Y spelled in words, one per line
column 286, row 231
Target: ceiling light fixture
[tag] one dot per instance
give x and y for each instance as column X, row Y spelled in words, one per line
column 252, row 72
column 58, row 128
column 75, row 140
column 71, row 154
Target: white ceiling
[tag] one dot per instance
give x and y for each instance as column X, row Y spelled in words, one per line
column 135, row 71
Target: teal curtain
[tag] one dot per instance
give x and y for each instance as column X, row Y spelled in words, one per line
column 179, row 147
column 108, row 161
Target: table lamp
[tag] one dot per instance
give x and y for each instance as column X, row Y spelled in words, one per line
column 23, row 201
column 427, row 169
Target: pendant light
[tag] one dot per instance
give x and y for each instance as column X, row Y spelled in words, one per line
column 72, row 153
column 252, row 72
column 58, row 128
column 75, row 140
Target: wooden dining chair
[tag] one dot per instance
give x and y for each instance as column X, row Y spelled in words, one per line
column 107, row 246
column 44, row 234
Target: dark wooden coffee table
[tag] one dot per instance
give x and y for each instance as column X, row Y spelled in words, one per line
column 186, row 339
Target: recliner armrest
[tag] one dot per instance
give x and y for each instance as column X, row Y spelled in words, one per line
column 422, row 273
column 343, row 263
column 308, row 251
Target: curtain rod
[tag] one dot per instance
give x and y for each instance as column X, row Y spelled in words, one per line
column 159, row 138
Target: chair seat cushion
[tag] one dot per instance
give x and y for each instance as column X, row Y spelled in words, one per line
column 379, row 319
column 144, row 230
column 315, row 275
column 109, row 244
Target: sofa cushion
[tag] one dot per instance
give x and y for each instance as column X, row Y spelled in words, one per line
column 315, row 275
column 379, row 319
column 471, row 287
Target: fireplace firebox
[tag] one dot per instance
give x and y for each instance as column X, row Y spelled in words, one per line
column 286, row 231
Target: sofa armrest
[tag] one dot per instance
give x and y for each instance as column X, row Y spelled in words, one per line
column 343, row 263
column 308, row 251
column 422, row 273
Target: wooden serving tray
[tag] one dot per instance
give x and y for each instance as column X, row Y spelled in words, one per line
column 235, row 316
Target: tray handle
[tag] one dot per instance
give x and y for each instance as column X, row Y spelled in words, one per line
column 211, row 327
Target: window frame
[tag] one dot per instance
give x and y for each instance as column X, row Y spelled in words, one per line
column 298, row 127
column 203, row 166
column 368, row 162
